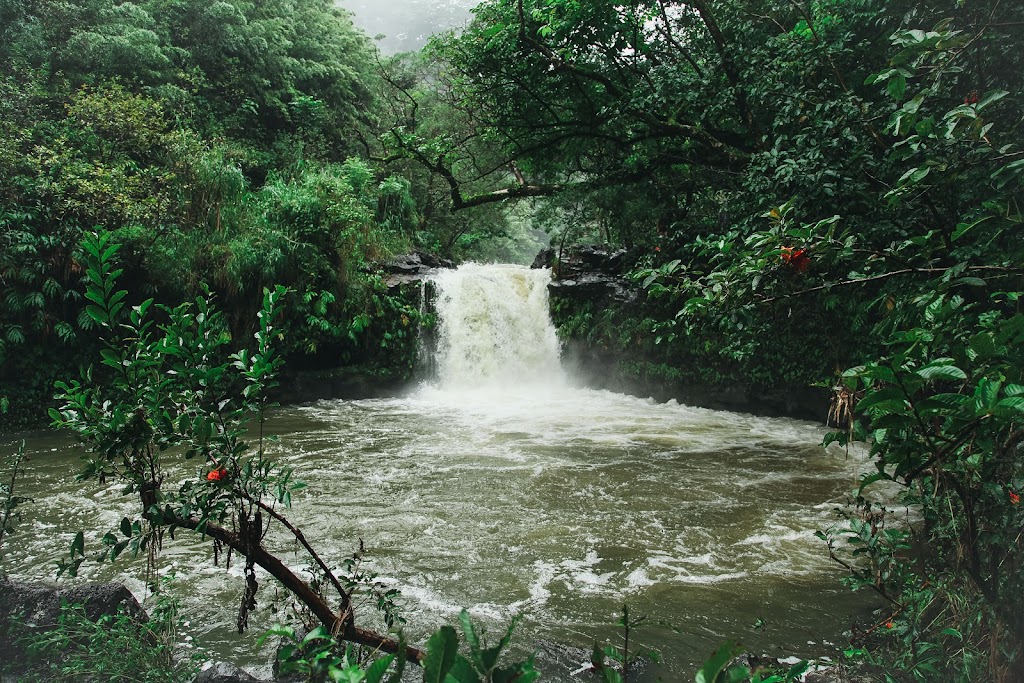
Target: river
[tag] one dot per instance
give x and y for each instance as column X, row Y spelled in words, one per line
column 501, row 487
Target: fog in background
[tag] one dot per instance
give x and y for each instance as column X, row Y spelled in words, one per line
column 407, row 24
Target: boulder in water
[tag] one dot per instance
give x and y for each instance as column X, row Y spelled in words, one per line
column 27, row 608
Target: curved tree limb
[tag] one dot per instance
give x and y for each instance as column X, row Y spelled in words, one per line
column 346, row 598
column 340, row 624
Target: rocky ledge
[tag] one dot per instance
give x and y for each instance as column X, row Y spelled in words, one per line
column 27, row 608
column 587, row 273
column 414, row 267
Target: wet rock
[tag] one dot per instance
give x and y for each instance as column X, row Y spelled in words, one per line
column 582, row 259
column 593, row 286
column 587, row 273
column 27, row 608
column 345, row 383
column 222, row 672
column 414, row 267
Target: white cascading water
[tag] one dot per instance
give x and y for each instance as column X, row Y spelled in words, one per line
column 495, row 328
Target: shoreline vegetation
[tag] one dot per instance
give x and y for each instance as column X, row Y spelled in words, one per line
column 817, row 193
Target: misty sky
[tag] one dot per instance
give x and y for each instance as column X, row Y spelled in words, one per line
column 407, row 23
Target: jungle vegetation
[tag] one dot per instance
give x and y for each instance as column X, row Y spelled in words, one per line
column 809, row 191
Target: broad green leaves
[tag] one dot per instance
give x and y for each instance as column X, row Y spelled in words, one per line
column 318, row 656
column 444, row 664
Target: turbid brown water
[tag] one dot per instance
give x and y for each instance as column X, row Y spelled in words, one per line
column 532, row 498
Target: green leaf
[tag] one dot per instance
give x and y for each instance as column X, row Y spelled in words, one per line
column 869, row 479
column 986, row 394
column 442, row 648
column 897, row 86
column 881, row 396
column 941, row 370
column 983, row 345
column 469, row 631
column 1013, row 404
column 990, row 98
column 717, row 662
column 461, row 672
column 797, row 670
column 318, row 634
column 375, row 672
column 1009, row 390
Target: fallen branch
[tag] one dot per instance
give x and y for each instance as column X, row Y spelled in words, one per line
column 342, row 625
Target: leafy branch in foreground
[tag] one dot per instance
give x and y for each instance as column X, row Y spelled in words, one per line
column 318, row 657
column 941, row 402
column 170, row 389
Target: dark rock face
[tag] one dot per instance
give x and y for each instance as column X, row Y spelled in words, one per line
column 343, row 383
column 600, row 368
column 595, row 286
column 222, row 672
column 583, row 259
column 413, row 267
column 587, row 273
column 37, row 608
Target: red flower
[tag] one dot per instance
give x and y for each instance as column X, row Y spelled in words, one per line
column 972, row 97
column 217, row 474
column 888, row 624
column 799, row 259
column 657, row 249
column 1014, row 498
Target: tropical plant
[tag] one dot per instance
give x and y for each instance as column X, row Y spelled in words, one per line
column 115, row 647
column 317, row 656
column 172, row 390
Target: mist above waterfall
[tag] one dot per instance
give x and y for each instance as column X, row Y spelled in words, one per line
column 406, row 25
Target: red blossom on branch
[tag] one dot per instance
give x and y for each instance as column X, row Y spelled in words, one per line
column 798, row 259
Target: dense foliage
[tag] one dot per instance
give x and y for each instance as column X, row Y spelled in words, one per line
column 676, row 129
column 805, row 188
column 810, row 191
column 226, row 145
column 114, row 647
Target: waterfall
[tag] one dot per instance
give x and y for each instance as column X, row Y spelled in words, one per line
column 494, row 327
